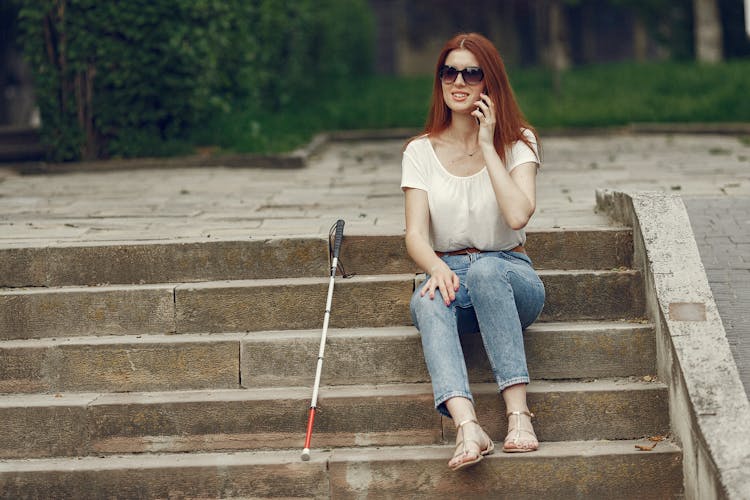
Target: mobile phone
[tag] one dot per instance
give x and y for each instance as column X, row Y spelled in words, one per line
column 480, row 109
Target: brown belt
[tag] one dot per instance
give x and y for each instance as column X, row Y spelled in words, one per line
column 465, row 251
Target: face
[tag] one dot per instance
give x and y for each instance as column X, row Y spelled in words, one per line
column 460, row 96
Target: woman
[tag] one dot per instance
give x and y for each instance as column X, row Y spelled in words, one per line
column 470, row 188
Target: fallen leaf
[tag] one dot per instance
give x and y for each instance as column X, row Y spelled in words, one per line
column 654, row 439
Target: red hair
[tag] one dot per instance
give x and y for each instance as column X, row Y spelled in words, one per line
column 510, row 119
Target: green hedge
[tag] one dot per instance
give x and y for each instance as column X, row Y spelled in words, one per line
column 133, row 78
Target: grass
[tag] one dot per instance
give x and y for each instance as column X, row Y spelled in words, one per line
column 618, row 94
column 593, row 96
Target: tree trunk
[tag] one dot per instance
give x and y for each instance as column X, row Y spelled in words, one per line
column 503, row 30
column 558, row 43
column 640, row 39
column 708, row 32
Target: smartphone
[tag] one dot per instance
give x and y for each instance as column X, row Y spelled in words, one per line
column 480, row 109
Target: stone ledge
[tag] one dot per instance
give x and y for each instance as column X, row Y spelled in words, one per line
column 293, row 160
column 709, row 410
column 299, row 157
column 719, row 128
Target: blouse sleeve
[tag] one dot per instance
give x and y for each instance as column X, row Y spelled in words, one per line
column 521, row 153
column 413, row 173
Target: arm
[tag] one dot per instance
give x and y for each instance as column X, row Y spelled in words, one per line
column 515, row 191
column 417, row 212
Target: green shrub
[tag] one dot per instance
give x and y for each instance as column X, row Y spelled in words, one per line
column 133, row 78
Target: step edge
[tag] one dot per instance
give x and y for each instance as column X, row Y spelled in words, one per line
column 303, row 393
column 551, row 449
column 265, row 336
column 255, row 283
column 317, row 237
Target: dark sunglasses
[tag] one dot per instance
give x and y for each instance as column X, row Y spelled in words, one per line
column 471, row 75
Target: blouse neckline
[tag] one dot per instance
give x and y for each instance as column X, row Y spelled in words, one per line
column 442, row 167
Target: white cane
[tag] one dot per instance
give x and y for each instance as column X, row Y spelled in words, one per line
column 321, row 351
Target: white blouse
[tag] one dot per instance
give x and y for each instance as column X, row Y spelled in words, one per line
column 463, row 210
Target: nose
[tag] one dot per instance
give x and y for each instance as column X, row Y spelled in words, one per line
column 460, row 77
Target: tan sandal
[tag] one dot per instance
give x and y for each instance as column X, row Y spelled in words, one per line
column 513, row 439
column 482, row 452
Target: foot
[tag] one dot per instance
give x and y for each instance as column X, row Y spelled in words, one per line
column 472, row 444
column 521, row 437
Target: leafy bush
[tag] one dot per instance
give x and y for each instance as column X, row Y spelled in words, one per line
column 132, row 78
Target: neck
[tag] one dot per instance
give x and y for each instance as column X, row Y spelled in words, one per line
column 464, row 129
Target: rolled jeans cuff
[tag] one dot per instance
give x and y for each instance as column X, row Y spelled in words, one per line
column 504, row 384
column 440, row 402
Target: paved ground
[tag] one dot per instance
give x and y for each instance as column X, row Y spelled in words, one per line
column 722, row 231
column 358, row 181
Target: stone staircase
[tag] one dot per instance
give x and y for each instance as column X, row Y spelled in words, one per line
column 184, row 370
column 19, row 144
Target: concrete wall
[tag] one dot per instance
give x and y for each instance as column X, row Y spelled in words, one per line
column 709, row 411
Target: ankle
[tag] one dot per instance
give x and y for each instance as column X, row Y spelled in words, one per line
column 522, row 408
column 467, row 421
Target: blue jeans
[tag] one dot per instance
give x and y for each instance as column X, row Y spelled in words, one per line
column 500, row 294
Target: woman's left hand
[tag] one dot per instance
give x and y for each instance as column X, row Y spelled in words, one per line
column 485, row 114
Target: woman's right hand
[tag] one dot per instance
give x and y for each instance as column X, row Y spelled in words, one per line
column 444, row 279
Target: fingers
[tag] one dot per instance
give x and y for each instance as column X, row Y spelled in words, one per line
column 433, row 284
column 485, row 109
column 448, row 286
column 426, row 287
column 448, row 294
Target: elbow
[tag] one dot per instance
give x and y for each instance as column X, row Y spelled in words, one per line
column 518, row 221
column 518, row 224
column 518, row 215
column 409, row 236
column 410, row 239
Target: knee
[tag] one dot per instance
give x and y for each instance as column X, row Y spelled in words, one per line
column 486, row 271
column 419, row 306
column 422, row 307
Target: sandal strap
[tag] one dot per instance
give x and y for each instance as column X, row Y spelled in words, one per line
column 467, row 421
column 518, row 429
column 463, row 438
column 519, row 413
column 477, row 442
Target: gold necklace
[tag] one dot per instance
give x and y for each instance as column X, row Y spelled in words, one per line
column 464, row 156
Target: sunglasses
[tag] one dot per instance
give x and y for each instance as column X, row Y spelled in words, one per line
column 471, row 75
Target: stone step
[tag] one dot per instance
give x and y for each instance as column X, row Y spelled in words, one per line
column 19, row 134
column 19, row 143
column 121, row 363
column 390, row 355
column 565, row 470
column 288, row 358
column 137, row 262
column 79, row 424
column 279, row 304
column 22, row 152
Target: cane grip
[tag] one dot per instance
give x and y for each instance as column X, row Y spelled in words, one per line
column 339, row 236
